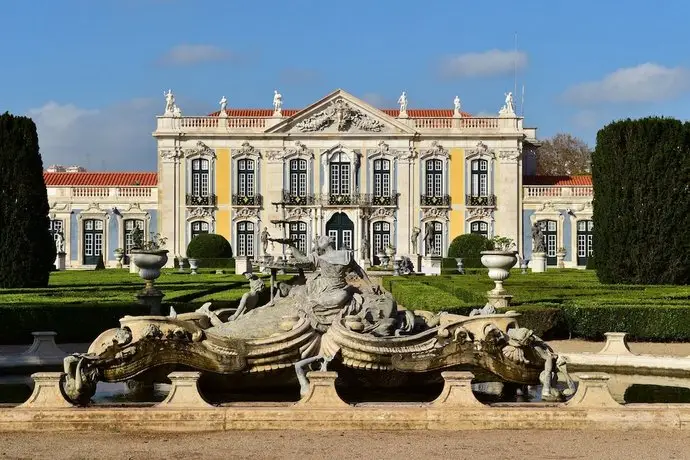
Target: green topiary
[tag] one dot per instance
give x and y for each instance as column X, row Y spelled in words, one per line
column 27, row 249
column 209, row 246
column 469, row 246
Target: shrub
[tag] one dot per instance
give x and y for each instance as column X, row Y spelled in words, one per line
column 209, row 246
column 27, row 249
column 469, row 246
column 640, row 171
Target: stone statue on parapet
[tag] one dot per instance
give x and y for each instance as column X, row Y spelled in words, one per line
column 223, row 104
column 402, row 100
column 277, row 102
column 169, row 102
column 456, row 105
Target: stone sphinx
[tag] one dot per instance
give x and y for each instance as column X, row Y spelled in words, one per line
column 335, row 317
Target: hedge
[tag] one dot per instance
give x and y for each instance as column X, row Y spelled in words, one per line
column 209, row 246
column 209, row 263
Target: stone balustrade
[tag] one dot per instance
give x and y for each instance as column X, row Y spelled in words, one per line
column 134, row 192
column 540, row 191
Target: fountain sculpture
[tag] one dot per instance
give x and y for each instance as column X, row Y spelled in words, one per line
column 335, row 318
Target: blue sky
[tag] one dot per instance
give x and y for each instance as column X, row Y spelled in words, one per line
column 92, row 73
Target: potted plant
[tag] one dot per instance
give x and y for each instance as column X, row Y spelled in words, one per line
column 150, row 257
column 500, row 260
column 119, row 254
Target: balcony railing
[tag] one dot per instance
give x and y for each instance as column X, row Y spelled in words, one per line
column 488, row 200
column 293, row 199
column 538, row 191
column 434, row 200
column 358, row 199
column 199, row 200
column 384, row 200
column 247, row 200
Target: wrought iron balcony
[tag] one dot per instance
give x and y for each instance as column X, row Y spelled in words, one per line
column 488, row 200
column 383, row 200
column 354, row 199
column 199, row 200
column 436, row 200
column 247, row 200
column 292, row 199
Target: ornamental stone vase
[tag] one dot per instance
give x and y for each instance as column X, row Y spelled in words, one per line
column 119, row 254
column 193, row 265
column 150, row 264
column 499, row 264
column 460, row 264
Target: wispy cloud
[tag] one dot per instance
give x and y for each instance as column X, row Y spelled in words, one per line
column 487, row 63
column 379, row 101
column 184, row 55
column 296, row 76
column 647, row 82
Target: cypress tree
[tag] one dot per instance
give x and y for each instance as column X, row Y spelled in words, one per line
column 27, row 250
column 641, row 178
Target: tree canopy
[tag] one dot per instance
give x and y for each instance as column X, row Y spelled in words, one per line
column 563, row 155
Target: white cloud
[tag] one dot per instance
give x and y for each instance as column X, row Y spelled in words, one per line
column 182, row 55
column 113, row 138
column 379, row 100
column 647, row 82
column 487, row 63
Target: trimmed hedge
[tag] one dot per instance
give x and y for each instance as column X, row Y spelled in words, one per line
column 209, row 246
column 210, row 263
column 469, row 246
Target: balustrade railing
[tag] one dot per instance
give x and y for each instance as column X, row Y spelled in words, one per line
column 247, row 200
column 293, row 199
column 456, row 123
column 200, row 200
column 435, row 200
column 537, row 191
column 352, row 199
column 107, row 192
column 488, row 200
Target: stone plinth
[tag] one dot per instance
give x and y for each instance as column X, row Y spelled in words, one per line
column 538, row 262
column 153, row 298
column 592, row 392
column 60, row 263
column 616, row 344
column 457, row 391
column 47, row 392
column 498, row 300
column 242, row 265
column 431, row 265
column 184, row 392
column 44, row 345
column 322, row 391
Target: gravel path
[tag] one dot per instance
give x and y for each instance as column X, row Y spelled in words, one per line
column 514, row 445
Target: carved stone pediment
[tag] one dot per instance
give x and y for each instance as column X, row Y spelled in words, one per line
column 246, row 213
column 436, row 150
column 341, row 115
column 200, row 212
column 481, row 150
column 435, row 213
column 381, row 213
column 248, row 150
column 299, row 150
column 482, row 213
column 299, row 213
column 510, row 155
column 200, row 150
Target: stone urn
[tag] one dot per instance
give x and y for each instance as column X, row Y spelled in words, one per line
column 382, row 256
column 119, row 255
column 460, row 264
column 499, row 264
column 193, row 265
column 150, row 264
column 560, row 257
column 180, row 264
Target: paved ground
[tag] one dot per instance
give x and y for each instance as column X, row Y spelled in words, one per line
column 514, row 445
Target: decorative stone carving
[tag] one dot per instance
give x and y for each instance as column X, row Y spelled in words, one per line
column 383, row 149
column 201, row 150
column 277, row 103
column 480, row 150
column 170, row 154
column 55, row 206
column 482, row 213
column 510, row 155
column 247, row 213
column 299, row 150
column 299, row 212
column 435, row 213
column 201, row 212
column 436, row 150
column 382, row 213
column 343, row 116
column 402, row 100
column 547, row 206
column 248, row 150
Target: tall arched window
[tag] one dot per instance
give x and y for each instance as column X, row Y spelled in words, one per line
column 92, row 243
column 245, row 177
column 550, row 230
column 245, row 238
column 382, row 178
column 298, row 233
column 382, row 238
column 200, row 177
column 434, row 178
column 479, row 178
column 340, row 175
column 298, row 177
column 199, row 227
column 480, row 228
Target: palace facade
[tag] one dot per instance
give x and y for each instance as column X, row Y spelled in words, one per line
column 365, row 176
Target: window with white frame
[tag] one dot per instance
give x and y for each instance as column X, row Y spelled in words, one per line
column 298, row 234
column 479, row 177
column 382, row 238
column 585, row 230
column 92, row 244
column 245, row 239
column 130, row 225
column 340, row 175
column 200, row 177
column 245, row 177
column 199, row 227
column 298, row 177
column 382, row 178
column 434, row 177
column 480, row 228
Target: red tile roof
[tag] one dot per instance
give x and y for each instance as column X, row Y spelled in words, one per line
column 100, row 179
column 558, row 181
column 412, row 113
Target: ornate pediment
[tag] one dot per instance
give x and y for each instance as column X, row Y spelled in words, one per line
column 435, row 213
column 481, row 150
column 299, row 150
column 340, row 112
column 247, row 213
column 436, row 150
column 299, row 212
column 200, row 212
column 481, row 213
column 201, row 149
column 247, row 150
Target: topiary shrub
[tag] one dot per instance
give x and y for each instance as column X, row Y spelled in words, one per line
column 469, row 246
column 209, row 246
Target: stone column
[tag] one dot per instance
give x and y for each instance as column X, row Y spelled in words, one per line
column 168, row 202
column 184, row 392
column 47, row 392
column 592, row 392
column 508, row 194
column 457, row 391
column 322, row 391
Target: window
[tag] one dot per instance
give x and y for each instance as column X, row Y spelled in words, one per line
column 584, row 241
column 130, row 225
column 200, row 175
column 550, row 231
column 479, row 181
column 92, row 241
column 298, row 177
column 298, row 233
column 199, row 227
column 437, row 244
column 245, row 239
column 382, row 238
column 382, row 178
column 340, row 176
column 480, row 228
column 245, row 177
column 56, row 228
column 434, row 178
column 340, row 228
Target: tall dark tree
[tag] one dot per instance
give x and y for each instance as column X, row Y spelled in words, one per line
column 27, row 250
column 641, row 176
column 563, row 155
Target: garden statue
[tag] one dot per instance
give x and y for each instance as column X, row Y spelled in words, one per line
column 59, row 243
column 223, row 104
column 137, row 238
column 538, row 243
column 403, row 103
column 364, row 249
column 430, row 239
column 333, row 316
column 277, row 102
column 414, row 239
column 265, row 236
column 169, row 102
column 456, row 106
column 406, row 265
